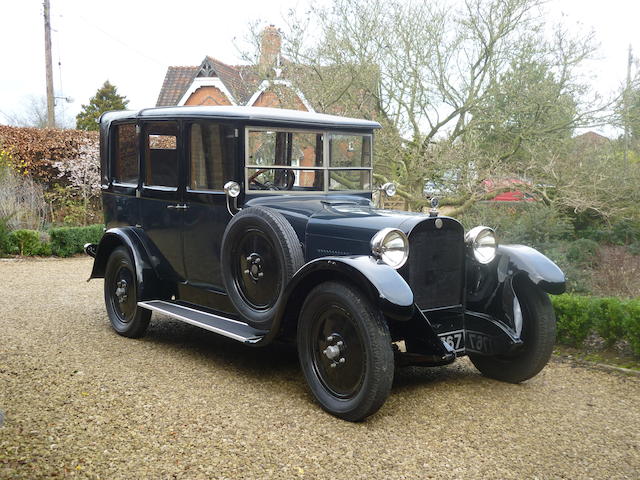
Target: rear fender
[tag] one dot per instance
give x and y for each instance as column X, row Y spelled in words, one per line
column 149, row 284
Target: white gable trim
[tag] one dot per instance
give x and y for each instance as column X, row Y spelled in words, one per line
column 267, row 83
column 206, row 82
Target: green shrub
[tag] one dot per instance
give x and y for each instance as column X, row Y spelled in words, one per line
column 4, row 236
column 625, row 232
column 634, row 248
column 611, row 318
column 65, row 241
column 578, row 276
column 622, row 232
column 531, row 224
column 28, row 242
column 583, row 252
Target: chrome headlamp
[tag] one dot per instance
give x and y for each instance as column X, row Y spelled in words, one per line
column 391, row 246
column 483, row 242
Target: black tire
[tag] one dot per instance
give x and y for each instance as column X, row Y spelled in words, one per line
column 259, row 255
column 121, row 299
column 357, row 386
column 538, row 336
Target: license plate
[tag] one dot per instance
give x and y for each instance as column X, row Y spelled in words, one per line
column 455, row 339
column 479, row 342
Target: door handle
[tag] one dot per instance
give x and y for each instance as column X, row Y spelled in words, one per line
column 178, row 207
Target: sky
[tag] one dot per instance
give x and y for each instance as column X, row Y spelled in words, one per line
column 132, row 42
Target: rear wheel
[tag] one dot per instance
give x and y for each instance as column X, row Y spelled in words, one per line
column 121, row 296
column 538, row 336
column 345, row 351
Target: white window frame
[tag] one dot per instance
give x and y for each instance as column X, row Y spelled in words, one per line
column 325, row 161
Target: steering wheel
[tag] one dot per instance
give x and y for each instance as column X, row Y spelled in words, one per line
column 288, row 178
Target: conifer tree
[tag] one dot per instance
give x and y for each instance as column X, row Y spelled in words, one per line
column 105, row 99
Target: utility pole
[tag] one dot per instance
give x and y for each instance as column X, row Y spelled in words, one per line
column 51, row 115
column 626, row 101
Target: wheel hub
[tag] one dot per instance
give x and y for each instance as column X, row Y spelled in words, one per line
column 335, row 350
column 122, row 291
column 254, row 267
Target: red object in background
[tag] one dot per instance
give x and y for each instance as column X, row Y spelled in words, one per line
column 510, row 196
column 514, row 196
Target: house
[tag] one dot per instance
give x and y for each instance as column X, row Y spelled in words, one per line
column 216, row 83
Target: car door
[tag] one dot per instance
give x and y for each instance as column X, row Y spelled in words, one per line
column 211, row 149
column 161, row 206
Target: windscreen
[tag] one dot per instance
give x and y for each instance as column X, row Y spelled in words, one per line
column 306, row 161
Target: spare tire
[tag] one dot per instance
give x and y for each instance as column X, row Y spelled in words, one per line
column 260, row 253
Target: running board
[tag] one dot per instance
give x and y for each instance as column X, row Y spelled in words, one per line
column 235, row 329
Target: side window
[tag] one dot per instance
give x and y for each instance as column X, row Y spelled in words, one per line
column 211, row 155
column 161, row 154
column 125, row 161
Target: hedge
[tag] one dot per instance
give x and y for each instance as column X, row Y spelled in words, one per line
column 62, row 242
column 612, row 319
column 28, row 242
column 65, row 241
column 5, row 243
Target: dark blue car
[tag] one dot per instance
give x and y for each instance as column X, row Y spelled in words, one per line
column 258, row 224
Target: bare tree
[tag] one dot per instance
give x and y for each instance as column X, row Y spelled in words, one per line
column 483, row 89
column 33, row 113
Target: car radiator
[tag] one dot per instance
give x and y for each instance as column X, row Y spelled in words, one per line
column 435, row 267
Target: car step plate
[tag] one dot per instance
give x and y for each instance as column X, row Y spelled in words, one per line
column 239, row 331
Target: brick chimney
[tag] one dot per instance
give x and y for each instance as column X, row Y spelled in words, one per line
column 270, row 42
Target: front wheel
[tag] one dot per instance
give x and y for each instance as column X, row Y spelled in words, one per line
column 345, row 351
column 121, row 296
column 538, row 337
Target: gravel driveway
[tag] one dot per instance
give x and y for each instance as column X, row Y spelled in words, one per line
column 80, row 401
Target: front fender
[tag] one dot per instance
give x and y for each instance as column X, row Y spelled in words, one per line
column 383, row 285
column 539, row 268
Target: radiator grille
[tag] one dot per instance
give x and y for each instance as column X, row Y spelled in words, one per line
column 435, row 268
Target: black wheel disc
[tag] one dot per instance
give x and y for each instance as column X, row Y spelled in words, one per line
column 256, row 270
column 123, row 294
column 338, row 352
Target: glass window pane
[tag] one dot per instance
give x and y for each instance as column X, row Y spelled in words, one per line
column 350, row 151
column 125, row 168
column 161, row 156
column 349, row 180
column 297, row 149
column 292, row 179
column 306, row 149
column 211, row 156
column 262, row 148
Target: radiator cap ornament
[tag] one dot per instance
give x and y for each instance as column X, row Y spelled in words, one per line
column 434, row 207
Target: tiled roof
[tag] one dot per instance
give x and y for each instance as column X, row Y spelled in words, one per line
column 239, row 79
column 176, row 82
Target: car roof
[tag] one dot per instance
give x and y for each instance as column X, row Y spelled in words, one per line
column 276, row 116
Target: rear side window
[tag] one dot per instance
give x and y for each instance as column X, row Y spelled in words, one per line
column 125, row 165
column 211, row 155
column 161, row 154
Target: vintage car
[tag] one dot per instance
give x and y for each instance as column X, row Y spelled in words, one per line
column 258, row 224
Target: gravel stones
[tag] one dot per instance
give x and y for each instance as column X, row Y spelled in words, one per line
column 182, row 403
